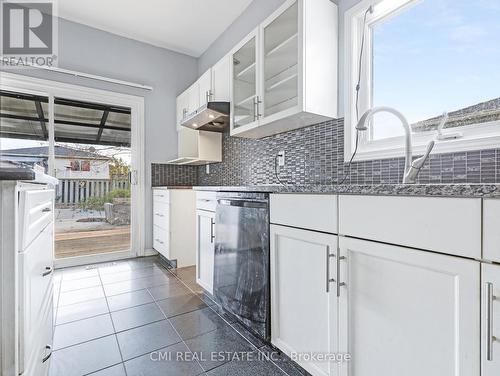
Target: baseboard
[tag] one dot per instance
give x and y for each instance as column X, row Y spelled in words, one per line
column 150, row 252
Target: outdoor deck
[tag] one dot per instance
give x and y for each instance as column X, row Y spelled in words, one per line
column 83, row 233
column 84, row 243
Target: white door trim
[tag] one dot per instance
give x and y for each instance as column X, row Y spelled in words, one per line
column 17, row 82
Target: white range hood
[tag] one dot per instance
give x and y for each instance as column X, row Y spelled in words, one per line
column 198, row 147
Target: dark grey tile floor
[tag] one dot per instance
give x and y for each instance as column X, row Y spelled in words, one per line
column 135, row 318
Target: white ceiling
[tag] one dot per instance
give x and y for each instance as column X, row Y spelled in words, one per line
column 187, row 26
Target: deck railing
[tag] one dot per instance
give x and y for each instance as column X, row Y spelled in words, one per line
column 73, row 191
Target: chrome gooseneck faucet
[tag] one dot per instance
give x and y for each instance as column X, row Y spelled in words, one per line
column 412, row 168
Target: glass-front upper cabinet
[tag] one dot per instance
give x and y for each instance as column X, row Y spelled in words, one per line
column 285, row 71
column 245, row 82
column 280, row 58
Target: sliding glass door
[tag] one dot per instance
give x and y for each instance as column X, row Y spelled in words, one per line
column 87, row 146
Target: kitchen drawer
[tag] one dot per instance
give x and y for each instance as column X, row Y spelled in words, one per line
column 440, row 224
column 36, row 344
column 35, row 283
column 161, row 195
column 312, row 212
column 161, row 240
column 36, row 212
column 206, row 201
column 161, row 214
column 491, row 229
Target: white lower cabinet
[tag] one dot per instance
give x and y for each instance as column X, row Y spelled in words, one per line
column 205, row 248
column 303, row 300
column 490, row 320
column 174, row 225
column 407, row 312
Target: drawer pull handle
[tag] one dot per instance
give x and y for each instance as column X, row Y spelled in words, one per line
column 159, row 215
column 46, row 357
column 48, row 270
column 159, row 241
column 46, row 210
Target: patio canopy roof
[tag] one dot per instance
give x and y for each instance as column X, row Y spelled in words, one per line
column 25, row 116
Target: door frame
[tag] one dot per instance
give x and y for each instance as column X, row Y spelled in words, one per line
column 22, row 83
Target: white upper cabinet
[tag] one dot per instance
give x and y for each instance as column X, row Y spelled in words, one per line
column 280, row 62
column 197, row 147
column 193, row 98
column 187, row 103
column 213, row 85
column 221, row 79
column 181, row 108
column 205, row 88
column 284, row 74
column 244, row 92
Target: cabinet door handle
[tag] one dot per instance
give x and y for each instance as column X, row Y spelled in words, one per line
column 328, row 279
column 256, row 108
column 208, row 95
column 159, row 241
column 46, row 357
column 46, row 210
column 159, row 215
column 212, row 235
column 489, row 321
column 48, row 270
column 339, row 284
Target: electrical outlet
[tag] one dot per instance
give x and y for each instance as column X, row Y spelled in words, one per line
column 281, row 158
column 207, row 169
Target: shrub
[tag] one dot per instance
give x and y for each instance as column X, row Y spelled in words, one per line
column 92, row 203
column 118, row 193
column 97, row 203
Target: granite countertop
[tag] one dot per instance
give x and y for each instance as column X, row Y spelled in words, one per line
column 16, row 173
column 443, row 190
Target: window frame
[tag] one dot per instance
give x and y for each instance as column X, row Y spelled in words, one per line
column 475, row 137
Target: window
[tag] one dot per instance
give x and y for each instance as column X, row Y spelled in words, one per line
column 424, row 57
column 75, row 165
column 85, row 166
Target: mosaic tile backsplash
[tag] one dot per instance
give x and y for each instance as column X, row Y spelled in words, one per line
column 315, row 155
column 163, row 174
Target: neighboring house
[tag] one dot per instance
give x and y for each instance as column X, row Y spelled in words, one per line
column 477, row 114
column 69, row 163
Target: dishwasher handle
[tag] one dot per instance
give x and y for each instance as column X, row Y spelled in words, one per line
column 258, row 204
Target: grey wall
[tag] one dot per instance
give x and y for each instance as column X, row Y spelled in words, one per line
column 89, row 50
column 256, row 12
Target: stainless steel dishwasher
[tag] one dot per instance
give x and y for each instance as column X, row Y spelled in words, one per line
column 241, row 265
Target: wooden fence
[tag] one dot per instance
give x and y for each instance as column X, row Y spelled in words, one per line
column 73, row 191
